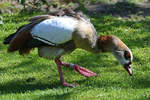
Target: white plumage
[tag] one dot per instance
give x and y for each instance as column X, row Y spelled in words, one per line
column 54, row 31
column 50, row 52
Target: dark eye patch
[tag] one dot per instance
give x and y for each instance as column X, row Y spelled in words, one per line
column 127, row 55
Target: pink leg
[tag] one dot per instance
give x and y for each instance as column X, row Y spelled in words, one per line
column 63, row 82
column 83, row 71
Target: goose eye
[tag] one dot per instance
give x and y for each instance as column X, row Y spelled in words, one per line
column 127, row 55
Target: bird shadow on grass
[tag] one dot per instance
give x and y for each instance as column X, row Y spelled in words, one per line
column 67, row 94
column 21, row 86
column 63, row 96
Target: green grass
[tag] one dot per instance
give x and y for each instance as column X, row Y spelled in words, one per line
column 112, row 83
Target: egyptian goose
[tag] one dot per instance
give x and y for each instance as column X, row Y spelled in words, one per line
column 55, row 36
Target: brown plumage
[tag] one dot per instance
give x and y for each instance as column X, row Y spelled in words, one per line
column 105, row 42
column 39, row 18
column 23, row 36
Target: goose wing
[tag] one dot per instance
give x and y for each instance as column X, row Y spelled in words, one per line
column 54, row 31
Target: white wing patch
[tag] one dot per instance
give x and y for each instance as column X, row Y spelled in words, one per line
column 54, row 31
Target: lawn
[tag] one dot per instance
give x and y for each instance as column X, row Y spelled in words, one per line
column 30, row 77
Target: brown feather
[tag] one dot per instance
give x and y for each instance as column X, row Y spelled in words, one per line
column 22, row 37
column 39, row 18
column 23, row 51
column 105, row 42
column 19, row 40
column 127, row 55
column 121, row 45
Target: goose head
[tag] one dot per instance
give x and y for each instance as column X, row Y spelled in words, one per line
column 121, row 52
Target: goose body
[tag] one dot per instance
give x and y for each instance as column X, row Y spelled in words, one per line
column 56, row 36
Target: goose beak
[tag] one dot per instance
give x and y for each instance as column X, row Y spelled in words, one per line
column 128, row 69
